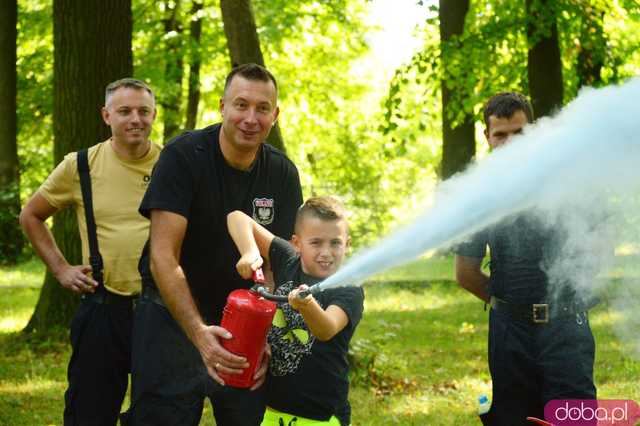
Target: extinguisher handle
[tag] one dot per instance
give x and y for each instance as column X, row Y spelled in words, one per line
column 258, row 276
column 270, row 296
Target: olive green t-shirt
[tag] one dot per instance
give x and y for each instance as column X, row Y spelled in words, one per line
column 117, row 188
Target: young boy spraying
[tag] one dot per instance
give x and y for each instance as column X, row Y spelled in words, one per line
column 308, row 375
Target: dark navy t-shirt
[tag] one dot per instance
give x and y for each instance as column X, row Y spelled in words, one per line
column 521, row 249
column 319, row 388
column 192, row 179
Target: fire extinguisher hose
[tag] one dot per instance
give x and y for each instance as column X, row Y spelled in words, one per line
column 258, row 278
column 262, row 291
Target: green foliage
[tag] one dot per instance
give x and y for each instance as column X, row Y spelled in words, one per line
column 323, row 120
column 608, row 30
column 35, row 93
column 491, row 56
column 12, row 244
column 154, row 49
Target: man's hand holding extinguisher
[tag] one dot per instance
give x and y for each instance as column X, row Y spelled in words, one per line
column 216, row 358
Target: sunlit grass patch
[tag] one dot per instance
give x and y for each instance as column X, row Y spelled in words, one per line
column 14, row 323
column 403, row 297
column 16, row 307
column 603, row 316
column 27, row 274
column 432, row 266
column 30, row 386
column 32, row 380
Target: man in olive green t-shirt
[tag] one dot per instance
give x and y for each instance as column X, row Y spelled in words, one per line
column 120, row 168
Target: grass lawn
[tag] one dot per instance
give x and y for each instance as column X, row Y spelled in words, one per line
column 420, row 352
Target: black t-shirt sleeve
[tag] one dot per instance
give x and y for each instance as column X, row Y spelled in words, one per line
column 172, row 183
column 281, row 255
column 292, row 194
column 476, row 246
column 350, row 300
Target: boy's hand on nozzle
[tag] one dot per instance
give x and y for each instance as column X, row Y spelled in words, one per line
column 248, row 263
column 297, row 302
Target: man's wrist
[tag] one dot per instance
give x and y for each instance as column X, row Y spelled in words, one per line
column 58, row 268
column 198, row 334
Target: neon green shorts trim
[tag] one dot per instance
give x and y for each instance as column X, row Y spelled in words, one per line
column 277, row 418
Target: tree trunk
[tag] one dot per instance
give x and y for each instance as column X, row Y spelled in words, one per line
column 194, row 67
column 544, row 63
column 458, row 139
column 11, row 240
column 593, row 45
column 244, row 45
column 92, row 47
column 171, row 98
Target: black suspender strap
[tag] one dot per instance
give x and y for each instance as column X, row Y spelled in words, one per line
column 95, row 259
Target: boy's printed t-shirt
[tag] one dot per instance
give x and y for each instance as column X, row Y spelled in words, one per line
column 319, row 388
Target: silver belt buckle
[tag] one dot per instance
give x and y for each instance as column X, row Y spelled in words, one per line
column 540, row 313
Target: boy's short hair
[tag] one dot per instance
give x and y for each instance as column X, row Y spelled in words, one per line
column 505, row 104
column 324, row 208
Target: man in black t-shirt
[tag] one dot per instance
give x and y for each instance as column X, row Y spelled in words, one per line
column 188, row 264
column 308, row 380
column 540, row 347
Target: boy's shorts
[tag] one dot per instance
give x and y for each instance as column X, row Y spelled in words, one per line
column 278, row 418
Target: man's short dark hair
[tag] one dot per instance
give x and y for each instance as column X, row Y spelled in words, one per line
column 252, row 72
column 132, row 83
column 505, row 104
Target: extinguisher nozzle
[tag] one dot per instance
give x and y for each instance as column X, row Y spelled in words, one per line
column 313, row 290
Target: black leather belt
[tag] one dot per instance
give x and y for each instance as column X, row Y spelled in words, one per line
column 103, row 296
column 540, row 313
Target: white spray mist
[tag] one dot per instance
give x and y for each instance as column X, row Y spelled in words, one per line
column 578, row 169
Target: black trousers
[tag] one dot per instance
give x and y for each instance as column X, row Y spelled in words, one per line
column 532, row 364
column 100, row 361
column 170, row 381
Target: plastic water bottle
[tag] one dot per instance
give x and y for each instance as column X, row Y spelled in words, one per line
column 483, row 404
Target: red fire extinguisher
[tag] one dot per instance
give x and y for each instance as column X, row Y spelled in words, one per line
column 247, row 316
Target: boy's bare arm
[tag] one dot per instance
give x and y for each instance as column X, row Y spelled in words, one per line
column 324, row 324
column 252, row 239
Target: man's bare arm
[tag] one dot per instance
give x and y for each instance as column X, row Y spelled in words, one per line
column 470, row 277
column 32, row 219
column 167, row 234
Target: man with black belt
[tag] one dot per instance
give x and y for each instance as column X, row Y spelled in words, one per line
column 540, row 347
column 188, row 265
column 114, row 176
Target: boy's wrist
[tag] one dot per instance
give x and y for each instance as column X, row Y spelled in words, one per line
column 303, row 305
